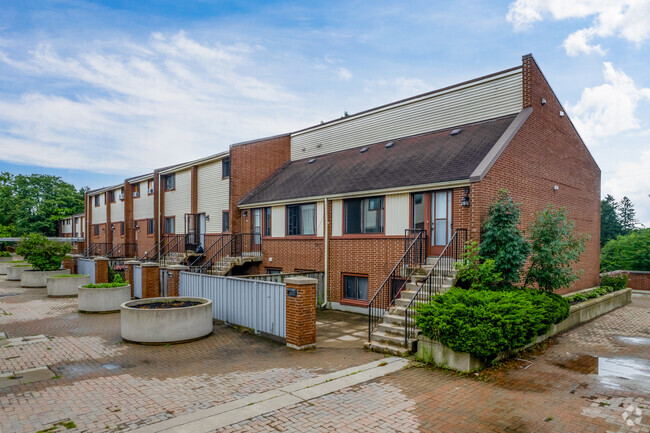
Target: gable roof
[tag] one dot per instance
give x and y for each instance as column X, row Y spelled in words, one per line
column 422, row 159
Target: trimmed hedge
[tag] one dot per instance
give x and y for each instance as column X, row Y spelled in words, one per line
column 485, row 323
column 106, row 285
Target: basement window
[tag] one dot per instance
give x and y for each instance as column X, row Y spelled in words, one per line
column 355, row 287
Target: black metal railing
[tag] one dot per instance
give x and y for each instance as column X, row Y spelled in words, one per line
column 123, row 250
column 225, row 247
column 433, row 283
column 98, row 249
column 413, row 257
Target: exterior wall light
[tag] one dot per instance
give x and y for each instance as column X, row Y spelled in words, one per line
column 112, row 227
column 465, row 200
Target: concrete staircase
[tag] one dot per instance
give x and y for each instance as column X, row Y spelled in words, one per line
column 388, row 336
column 226, row 264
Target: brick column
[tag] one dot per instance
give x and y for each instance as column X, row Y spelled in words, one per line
column 70, row 262
column 301, row 312
column 101, row 270
column 174, row 278
column 128, row 274
column 150, row 280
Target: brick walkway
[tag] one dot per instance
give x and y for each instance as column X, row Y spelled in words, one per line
column 109, row 386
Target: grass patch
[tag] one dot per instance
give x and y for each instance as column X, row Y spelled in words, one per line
column 67, row 276
column 22, row 266
column 105, row 285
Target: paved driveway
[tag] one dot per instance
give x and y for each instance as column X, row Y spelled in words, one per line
column 105, row 385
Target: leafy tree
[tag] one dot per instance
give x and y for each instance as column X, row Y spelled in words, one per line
column 35, row 203
column 627, row 215
column 555, row 247
column 630, row 252
column 479, row 274
column 610, row 224
column 42, row 253
column 501, row 239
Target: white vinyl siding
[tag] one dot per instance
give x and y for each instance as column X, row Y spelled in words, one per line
column 117, row 208
column 179, row 201
column 213, row 195
column 79, row 227
column 277, row 221
column 397, row 214
column 337, row 217
column 143, row 206
column 99, row 212
column 66, row 226
column 485, row 99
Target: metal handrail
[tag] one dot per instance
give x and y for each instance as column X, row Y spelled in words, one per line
column 195, row 266
column 96, row 248
column 122, row 250
column 154, row 251
column 434, row 279
column 414, row 256
column 210, row 262
column 234, row 245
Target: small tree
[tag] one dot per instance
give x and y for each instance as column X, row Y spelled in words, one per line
column 610, row 224
column 477, row 273
column 501, row 239
column 42, row 253
column 555, row 247
column 627, row 215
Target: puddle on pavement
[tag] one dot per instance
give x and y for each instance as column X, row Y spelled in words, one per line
column 613, row 372
column 634, row 341
column 78, row 370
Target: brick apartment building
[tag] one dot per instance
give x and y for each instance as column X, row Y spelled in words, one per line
column 337, row 197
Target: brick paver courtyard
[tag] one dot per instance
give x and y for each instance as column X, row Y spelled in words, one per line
column 105, row 385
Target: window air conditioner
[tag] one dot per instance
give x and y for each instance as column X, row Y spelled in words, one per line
column 121, row 196
column 150, row 190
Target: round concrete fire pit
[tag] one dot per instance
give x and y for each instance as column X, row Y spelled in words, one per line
column 15, row 272
column 32, row 278
column 66, row 285
column 157, row 321
column 103, row 299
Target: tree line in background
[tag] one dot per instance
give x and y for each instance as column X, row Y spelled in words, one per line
column 625, row 243
column 35, row 203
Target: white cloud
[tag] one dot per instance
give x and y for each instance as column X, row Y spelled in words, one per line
column 136, row 107
column 344, row 74
column 609, row 108
column 632, row 180
column 627, row 19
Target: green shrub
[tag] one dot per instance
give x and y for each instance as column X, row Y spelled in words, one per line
column 501, row 239
column 17, row 261
column 615, row 280
column 555, row 246
column 5, row 254
column 485, row 323
column 478, row 274
column 42, row 253
column 106, row 285
column 630, row 252
column 598, row 292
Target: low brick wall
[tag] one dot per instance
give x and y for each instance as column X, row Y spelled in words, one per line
column 638, row 280
column 434, row 352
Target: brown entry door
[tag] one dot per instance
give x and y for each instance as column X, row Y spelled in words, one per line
column 440, row 221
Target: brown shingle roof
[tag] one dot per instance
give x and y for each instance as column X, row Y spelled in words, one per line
column 418, row 160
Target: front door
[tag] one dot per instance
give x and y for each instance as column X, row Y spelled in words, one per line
column 202, row 230
column 257, row 226
column 440, row 221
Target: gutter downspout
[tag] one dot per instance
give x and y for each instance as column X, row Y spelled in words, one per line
column 326, row 251
column 158, row 218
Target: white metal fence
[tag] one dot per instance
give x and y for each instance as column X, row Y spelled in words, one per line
column 137, row 282
column 86, row 267
column 259, row 305
column 279, row 278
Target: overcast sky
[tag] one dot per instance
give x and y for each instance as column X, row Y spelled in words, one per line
column 98, row 91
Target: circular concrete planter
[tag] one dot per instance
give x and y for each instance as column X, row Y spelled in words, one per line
column 32, row 278
column 14, row 273
column 5, row 265
column 66, row 286
column 166, row 325
column 104, row 300
column 6, row 259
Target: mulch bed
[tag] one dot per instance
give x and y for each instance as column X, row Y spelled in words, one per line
column 165, row 305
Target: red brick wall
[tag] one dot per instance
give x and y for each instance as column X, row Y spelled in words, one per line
column 638, row 280
column 250, row 165
column 545, row 152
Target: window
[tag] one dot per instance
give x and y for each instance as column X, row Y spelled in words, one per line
column 122, row 193
column 273, row 270
column 136, row 190
column 418, row 211
column 150, row 226
column 301, row 219
column 111, row 196
column 170, row 182
column 96, row 230
column 150, row 187
column 225, row 221
column 355, row 287
column 97, row 200
column 267, row 221
column 122, row 229
column 225, row 168
column 364, row 215
column 170, row 225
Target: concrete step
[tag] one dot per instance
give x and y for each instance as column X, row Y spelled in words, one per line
column 386, row 348
column 386, row 338
column 391, row 328
column 394, row 319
